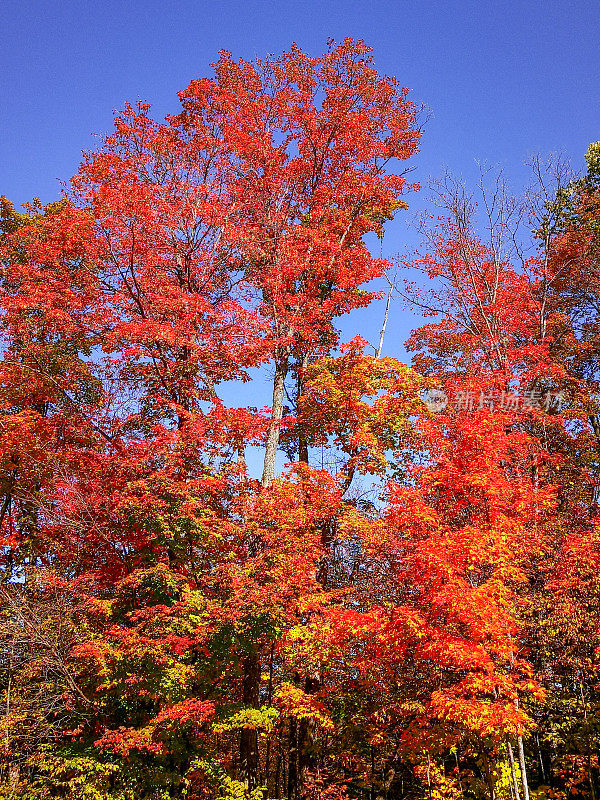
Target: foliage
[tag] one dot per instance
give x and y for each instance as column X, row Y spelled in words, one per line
column 176, row 622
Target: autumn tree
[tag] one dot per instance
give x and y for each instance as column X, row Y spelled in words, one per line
column 507, row 339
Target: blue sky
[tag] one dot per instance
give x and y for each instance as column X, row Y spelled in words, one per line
column 502, row 79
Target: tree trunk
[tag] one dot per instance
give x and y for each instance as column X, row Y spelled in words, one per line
column 588, row 743
column 249, row 757
column 292, row 782
column 542, row 772
column 385, row 318
column 488, row 776
column 302, row 441
column 513, row 771
column 307, row 762
column 281, row 368
column 523, row 768
column 249, row 761
column 278, row 776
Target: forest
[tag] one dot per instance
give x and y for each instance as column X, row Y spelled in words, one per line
column 384, row 584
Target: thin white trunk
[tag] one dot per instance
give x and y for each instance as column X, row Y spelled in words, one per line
column 513, row 771
column 385, row 319
column 523, row 768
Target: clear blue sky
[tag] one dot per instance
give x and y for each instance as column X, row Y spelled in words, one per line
column 502, row 79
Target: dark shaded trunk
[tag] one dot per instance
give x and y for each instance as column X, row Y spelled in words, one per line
column 278, row 777
column 292, row 782
column 269, row 703
column 307, row 749
column 588, row 743
column 307, row 755
column 302, row 448
column 488, row 776
column 249, row 760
